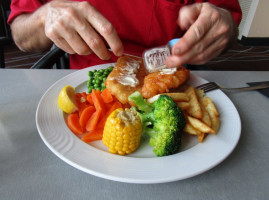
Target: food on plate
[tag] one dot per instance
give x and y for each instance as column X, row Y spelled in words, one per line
column 161, row 114
column 97, row 78
column 202, row 117
column 126, row 78
column 73, row 123
column 198, row 124
column 122, row 132
column 161, row 81
column 163, row 121
column 129, row 75
column 195, row 108
column 210, row 107
column 178, row 96
column 93, row 109
column 67, row 99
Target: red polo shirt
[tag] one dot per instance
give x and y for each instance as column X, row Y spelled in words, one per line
column 140, row 24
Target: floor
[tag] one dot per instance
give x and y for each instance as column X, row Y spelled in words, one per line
column 239, row 57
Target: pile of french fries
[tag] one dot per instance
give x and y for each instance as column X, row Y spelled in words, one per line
column 202, row 116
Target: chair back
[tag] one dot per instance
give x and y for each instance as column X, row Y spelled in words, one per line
column 5, row 33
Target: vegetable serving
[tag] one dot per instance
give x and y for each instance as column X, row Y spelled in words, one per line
column 163, row 121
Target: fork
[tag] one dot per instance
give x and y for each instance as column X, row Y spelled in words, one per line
column 207, row 87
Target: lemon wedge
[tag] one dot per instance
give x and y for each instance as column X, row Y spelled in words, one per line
column 67, row 99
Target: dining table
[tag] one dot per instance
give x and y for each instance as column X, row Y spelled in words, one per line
column 30, row 170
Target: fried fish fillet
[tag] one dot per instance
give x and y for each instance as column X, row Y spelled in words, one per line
column 130, row 75
column 126, row 78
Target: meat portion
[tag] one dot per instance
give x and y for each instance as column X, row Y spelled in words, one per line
column 127, row 70
column 158, row 82
column 129, row 75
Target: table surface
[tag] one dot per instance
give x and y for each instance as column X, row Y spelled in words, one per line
column 29, row 170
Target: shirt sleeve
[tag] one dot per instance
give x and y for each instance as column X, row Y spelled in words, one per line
column 231, row 5
column 19, row 7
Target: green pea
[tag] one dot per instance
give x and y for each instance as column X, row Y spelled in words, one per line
column 90, row 73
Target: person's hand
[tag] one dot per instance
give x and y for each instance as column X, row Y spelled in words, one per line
column 77, row 27
column 210, row 30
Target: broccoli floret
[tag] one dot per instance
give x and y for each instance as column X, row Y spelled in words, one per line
column 163, row 121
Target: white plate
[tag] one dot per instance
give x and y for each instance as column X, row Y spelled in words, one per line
column 141, row 166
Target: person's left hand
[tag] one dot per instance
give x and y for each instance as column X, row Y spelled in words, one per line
column 210, row 30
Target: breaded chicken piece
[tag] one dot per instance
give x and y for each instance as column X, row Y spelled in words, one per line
column 126, row 78
column 158, row 82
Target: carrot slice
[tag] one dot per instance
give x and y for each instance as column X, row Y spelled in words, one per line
column 97, row 100
column 89, row 99
column 92, row 122
column 73, row 123
column 109, row 105
column 102, row 122
column 98, row 92
column 85, row 116
column 106, row 96
column 93, row 136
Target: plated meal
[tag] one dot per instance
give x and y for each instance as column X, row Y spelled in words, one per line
column 126, row 101
column 105, row 123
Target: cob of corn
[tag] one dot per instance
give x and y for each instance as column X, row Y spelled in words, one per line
column 122, row 132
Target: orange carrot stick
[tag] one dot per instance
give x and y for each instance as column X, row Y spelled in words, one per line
column 85, row 116
column 73, row 123
column 93, row 136
column 102, row 122
column 89, row 99
column 92, row 122
column 97, row 100
column 106, row 96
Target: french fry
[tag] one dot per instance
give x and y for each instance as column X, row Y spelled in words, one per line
column 200, row 93
column 206, row 118
column 183, row 105
column 195, row 108
column 201, row 137
column 191, row 130
column 202, row 116
column 210, row 107
column 178, row 96
column 201, row 126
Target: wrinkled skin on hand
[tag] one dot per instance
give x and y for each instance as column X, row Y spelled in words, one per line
column 77, row 27
column 210, row 31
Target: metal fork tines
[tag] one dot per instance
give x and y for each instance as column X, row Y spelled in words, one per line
column 213, row 86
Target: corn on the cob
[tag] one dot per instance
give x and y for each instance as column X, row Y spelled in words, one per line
column 122, row 132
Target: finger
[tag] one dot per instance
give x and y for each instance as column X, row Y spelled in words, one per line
column 215, row 39
column 188, row 15
column 73, row 39
column 198, row 58
column 106, row 30
column 195, row 33
column 77, row 43
column 94, row 41
column 66, row 38
column 58, row 40
column 62, row 44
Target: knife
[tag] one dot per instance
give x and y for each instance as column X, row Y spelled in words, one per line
column 265, row 91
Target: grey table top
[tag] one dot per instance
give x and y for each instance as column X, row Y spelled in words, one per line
column 29, row 170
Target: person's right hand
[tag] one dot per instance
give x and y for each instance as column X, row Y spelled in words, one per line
column 77, row 27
